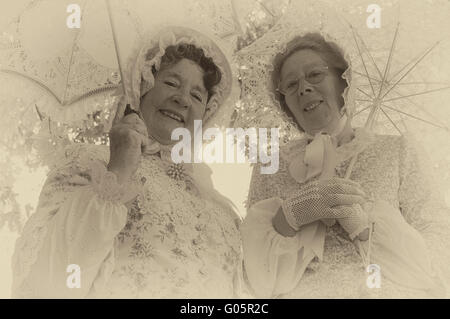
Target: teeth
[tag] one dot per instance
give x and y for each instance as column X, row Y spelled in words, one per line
column 172, row 116
column 312, row 106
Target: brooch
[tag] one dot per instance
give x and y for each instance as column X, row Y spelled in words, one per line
column 176, row 171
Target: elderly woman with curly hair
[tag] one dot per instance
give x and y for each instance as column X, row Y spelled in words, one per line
column 127, row 222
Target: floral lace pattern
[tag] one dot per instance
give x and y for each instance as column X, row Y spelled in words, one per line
column 391, row 169
column 175, row 244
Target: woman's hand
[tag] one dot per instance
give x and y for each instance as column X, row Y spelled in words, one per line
column 322, row 199
column 128, row 138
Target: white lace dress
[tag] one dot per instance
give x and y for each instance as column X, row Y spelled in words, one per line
column 389, row 169
column 171, row 242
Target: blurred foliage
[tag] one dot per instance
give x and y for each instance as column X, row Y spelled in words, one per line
column 36, row 146
column 260, row 19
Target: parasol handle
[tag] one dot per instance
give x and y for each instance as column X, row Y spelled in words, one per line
column 111, row 22
column 350, row 166
column 367, row 232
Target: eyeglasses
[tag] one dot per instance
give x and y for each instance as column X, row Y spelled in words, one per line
column 290, row 85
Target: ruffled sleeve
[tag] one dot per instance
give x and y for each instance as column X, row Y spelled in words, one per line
column 81, row 210
column 274, row 264
column 422, row 206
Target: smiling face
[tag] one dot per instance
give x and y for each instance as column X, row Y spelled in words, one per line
column 177, row 99
column 315, row 107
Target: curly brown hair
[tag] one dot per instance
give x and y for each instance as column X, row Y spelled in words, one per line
column 174, row 53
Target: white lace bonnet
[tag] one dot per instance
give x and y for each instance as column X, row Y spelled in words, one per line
column 139, row 78
column 260, row 107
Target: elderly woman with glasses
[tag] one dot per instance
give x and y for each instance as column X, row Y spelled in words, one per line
column 310, row 232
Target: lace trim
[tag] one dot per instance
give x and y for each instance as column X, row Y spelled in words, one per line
column 139, row 68
column 261, row 107
column 106, row 186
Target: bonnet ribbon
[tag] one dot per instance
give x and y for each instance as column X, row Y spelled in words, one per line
column 320, row 156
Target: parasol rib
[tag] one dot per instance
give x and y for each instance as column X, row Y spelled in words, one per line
column 415, row 117
column 411, row 61
column 362, row 59
column 41, row 117
column 370, row 54
column 122, row 78
column 421, row 108
column 265, row 8
column 365, row 93
column 388, row 64
column 368, row 77
column 415, row 94
column 71, row 59
column 362, row 110
column 414, row 65
column 390, row 120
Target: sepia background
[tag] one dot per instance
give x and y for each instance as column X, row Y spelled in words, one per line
column 49, row 99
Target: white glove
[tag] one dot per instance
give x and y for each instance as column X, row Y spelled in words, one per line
column 334, row 198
